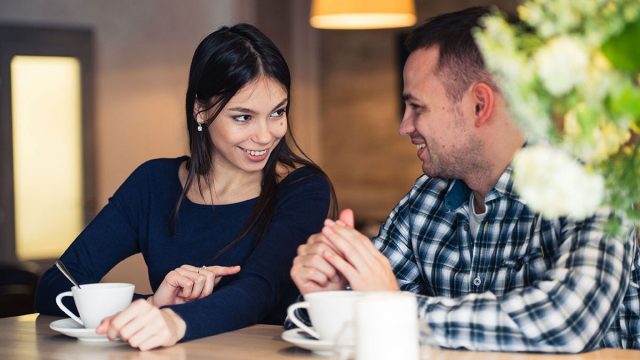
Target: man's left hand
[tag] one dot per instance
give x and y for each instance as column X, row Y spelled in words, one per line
column 364, row 267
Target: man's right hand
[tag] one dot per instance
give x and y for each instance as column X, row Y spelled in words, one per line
column 311, row 272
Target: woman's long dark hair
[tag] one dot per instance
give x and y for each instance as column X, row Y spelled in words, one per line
column 224, row 62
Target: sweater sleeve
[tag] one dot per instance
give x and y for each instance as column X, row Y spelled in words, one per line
column 303, row 202
column 110, row 237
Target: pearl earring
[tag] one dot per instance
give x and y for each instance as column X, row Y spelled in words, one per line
column 199, row 127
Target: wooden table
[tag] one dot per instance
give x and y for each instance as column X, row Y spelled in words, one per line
column 29, row 337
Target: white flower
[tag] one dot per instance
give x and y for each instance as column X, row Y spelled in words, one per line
column 514, row 74
column 553, row 184
column 562, row 64
column 566, row 85
column 498, row 39
column 601, row 81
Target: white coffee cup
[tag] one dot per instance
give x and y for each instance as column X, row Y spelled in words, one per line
column 97, row 301
column 329, row 311
column 386, row 326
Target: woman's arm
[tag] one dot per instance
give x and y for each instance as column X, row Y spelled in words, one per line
column 111, row 237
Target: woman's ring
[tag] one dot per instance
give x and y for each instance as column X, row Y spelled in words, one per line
column 203, row 267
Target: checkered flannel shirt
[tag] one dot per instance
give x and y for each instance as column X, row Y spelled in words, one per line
column 523, row 284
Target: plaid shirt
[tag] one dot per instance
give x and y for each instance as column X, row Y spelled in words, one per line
column 523, row 284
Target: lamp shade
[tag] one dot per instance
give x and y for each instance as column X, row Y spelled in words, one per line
column 362, row 14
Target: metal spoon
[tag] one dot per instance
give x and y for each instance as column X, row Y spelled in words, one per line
column 66, row 273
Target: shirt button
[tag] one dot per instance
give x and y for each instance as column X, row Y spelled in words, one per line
column 477, row 281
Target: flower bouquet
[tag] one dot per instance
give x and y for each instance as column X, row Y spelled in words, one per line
column 570, row 73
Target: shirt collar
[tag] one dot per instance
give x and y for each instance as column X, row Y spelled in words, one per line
column 458, row 192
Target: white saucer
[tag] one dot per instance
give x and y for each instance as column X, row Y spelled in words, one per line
column 300, row 338
column 71, row 328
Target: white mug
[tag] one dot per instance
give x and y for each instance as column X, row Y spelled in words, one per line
column 328, row 311
column 386, row 326
column 97, row 301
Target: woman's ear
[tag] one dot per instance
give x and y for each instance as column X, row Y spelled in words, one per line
column 199, row 113
column 197, row 108
column 483, row 102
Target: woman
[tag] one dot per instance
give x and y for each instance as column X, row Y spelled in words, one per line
column 219, row 229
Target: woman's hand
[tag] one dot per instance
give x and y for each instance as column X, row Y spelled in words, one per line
column 188, row 283
column 144, row 326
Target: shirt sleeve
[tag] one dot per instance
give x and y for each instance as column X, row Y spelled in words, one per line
column 394, row 242
column 257, row 289
column 110, row 237
column 568, row 310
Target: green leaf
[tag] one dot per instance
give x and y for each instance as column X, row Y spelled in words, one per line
column 588, row 118
column 626, row 102
column 622, row 50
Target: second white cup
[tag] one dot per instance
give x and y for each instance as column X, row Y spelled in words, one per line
column 386, row 326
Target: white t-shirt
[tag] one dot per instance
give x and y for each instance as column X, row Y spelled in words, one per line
column 474, row 218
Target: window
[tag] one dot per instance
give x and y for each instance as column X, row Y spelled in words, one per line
column 46, row 176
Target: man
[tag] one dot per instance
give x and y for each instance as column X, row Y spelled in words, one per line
column 495, row 275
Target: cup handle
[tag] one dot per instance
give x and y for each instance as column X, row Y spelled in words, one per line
column 291, row 312
column 64, row 308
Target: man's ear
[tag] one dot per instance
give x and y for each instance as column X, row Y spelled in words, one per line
column 483, row 101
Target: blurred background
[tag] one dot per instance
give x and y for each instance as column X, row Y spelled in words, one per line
column 123, row 69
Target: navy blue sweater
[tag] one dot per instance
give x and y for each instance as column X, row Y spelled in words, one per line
column 136, row 219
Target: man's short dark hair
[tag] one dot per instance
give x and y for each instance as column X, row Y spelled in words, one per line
column 460, row 63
